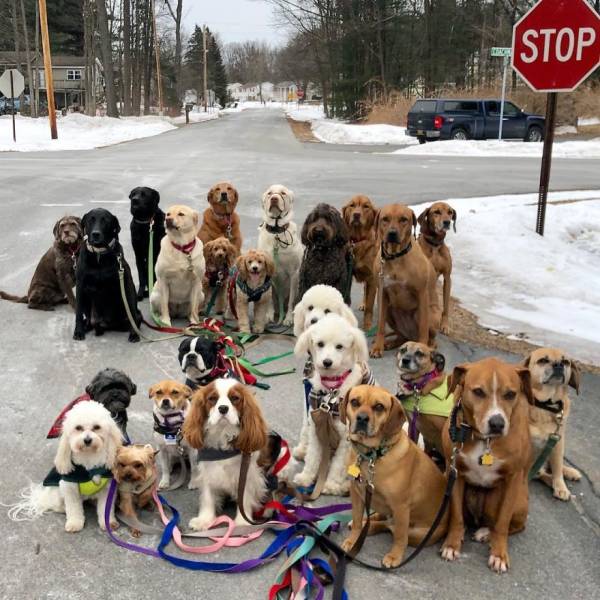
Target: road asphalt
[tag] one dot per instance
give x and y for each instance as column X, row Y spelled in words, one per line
column 43, row 368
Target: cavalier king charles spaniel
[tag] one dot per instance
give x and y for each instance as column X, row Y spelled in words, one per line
column 224, row 422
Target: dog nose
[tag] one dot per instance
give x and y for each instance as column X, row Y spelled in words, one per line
column 406, row 361
column 392, row 236
column 255, row 269
column 169, row 222
column 356, row 216
column 223, row 409
column 165, row 403
column 362, row 418
column 94, row 237
column 327, row 363
column 313, row 320
column 87, row 440
column 224, row 197
column 274, row 201
column 446, row 223
column 558, row 368
column 496, row 424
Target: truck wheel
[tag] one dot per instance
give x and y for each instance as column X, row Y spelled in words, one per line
column 459, row 134
column 422, row 139
column 534, row 134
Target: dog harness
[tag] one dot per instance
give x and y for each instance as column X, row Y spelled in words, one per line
column 253, row 294
column 276, row 228
column 137, row 487
column 207, row 454
column 91, row 481
column 171, row 423
column 217, row 277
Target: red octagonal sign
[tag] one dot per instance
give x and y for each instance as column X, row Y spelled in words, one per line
column 556, row 45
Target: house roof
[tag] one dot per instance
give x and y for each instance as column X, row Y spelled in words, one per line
column 9, row 57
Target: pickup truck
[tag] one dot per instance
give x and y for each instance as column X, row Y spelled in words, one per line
column 452, row 119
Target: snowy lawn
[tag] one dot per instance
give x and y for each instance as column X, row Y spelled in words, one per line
column 574, row 149
column 197, row 116
column 545, row 289
column 77, row 132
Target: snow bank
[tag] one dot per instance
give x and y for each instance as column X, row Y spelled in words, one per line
column 583, row 122
column 197, row 116
column 255, row 104
column 546, row 289
column 565, row 130
column 574, row 149
column 77, row 132
column 306, row 112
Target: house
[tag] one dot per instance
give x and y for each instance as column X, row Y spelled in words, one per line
column 243, row 92
column 285, row 91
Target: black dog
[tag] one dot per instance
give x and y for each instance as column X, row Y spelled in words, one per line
column 199, row 360
column 327, row 252
column 98, row 293
column 146, row 214
column 113, row 389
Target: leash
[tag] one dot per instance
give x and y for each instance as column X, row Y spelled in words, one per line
column 551, row 442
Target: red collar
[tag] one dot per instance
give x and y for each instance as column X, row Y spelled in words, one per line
column 186, row 248
column 334, row 382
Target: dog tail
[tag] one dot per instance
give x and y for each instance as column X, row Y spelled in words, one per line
column 11, row 298
column 36, row 500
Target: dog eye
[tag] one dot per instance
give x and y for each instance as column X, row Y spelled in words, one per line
column 510, row 395
column 96, row 427
column 543, row 361
column 234, row 398
column 379, row 407
column 479, row 392
column 402, row 351
column 79, row 428
column 326, row 311
column 386, row 219
column 437, row 212
column 180, row 214
column 174, row 393
column 565, row 362
column 310, row 307
column 137, row 465
column 320, row 344
column 419, row 354
column 403, row 219
column 213, row 399
column 354, row 403
column 339, row 347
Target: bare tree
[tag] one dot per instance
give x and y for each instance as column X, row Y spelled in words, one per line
column 32, row 105
column 126, row 71
column 176, row 15
column 107, row 59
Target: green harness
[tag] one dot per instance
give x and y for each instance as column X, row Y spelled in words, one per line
column 91, row 481
column 437, row 402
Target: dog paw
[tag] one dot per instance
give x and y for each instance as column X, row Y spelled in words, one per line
column 133, row 337
column 336, row 489
column 391, row 560
column 499, row 564
column 348, row 543
column 561, row 491
column 303, row 480
column 289, row 320
column 201, row 523
column 74, row 525
column 449, row 553
column 193, row 484
column 164, row 484
column 79, row 335
column 376, row 351
column 482, row 535
column 99, row 332
column 444, row 328
column 299, row 452
column 571, row 474
column 136, row 533
column 362, row 307
column 165, row 320
column 367, row 324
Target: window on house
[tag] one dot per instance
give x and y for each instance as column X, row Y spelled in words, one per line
column 73, row 74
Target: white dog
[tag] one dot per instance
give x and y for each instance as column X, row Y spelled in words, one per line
column 318, row 301
column 224, row 422
column 278, row 236
column 179, row 268
column 86, row 454
column 339, row 354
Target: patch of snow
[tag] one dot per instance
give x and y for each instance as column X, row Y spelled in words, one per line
column 545, row 289
column 197, row 115
column 77, row 132
column 574, row 149
column 334, row 132
column 306, row 112
column 256, row 104
column 565, row 130
column 587, row 121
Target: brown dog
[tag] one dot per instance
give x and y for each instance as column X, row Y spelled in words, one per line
column 254, row 283
column 221, row 219
column 493, row 461
column 219, row 256
column 435, row 223
column 135, row 474
column 409, row 303
column 54, row 277
column 408, row 487
column 551, row 373
column 359, row 215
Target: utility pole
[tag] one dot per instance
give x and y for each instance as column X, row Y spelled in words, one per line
column 48, row 69
column 157, row 53
column 205, row 52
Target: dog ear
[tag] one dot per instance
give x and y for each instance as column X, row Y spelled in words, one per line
column 269, row 264
column 56, row 229
column 152, row 390
column 525, row 376
column 414, row 222
column 376, row 221
column 193, row 425
column 231, row 253
column 62, row 460
column 342, row 235
column 195, row 218
column 527, row 361
column 131, row 192
column 253, row 429
column 575, row 377
column 299, row 318
column 84, row 221
column 116, row 225
column 236, row 194
column 454, row 220
column 395, row 420
column 423, row 216
column 113, row 442
column 303, row 344
column 240, row 264
column 343, row 406
column 187, row 392
column 305, row 227
column 359, row 346
column 457, row 378
column 438, row 360
column 372, row 212
column 346, row 213
column 155, row 197
column 209, row 195
column 346, row 313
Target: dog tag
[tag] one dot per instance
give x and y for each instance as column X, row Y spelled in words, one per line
column 170, row 439
column 354, row 471
column 486, row 459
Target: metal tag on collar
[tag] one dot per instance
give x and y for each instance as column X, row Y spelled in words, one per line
column 190, row 266
column 486, row 459
column 170, row 439
column 354, row 470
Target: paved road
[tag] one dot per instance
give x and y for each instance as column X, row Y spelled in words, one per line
column 556, row 557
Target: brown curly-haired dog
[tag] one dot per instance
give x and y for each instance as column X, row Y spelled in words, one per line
column 254, row 284
column 220, row 219
column 359, row 215
column 219, row 256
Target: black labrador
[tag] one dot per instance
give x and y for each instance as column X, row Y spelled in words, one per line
column 146, row 214
column 99, row 303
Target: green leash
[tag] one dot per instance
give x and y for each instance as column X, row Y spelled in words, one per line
column 276, row 285
column 551, row 442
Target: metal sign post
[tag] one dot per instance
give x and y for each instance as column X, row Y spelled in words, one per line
column 12, row 95
column 546, row 162
column 505, row 54
column 12, row 84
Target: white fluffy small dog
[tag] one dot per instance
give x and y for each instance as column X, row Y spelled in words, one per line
column 180, row 268
column 339, row 354
column 224, row 422
column 86, row 453
column 278, row 236
column 318, row 301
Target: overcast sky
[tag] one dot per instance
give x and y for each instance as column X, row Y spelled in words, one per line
column 234, row 20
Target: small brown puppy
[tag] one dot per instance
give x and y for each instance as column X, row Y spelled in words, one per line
column 221, row 219
column 359, row 215
column 492, row 463
column 219, row 256
column 435, row 223
column 54, row 277
column 423, row 389
column 409, row 303
column 551, row 373
column 135, row 474
column 408, row 487
column 254, row 284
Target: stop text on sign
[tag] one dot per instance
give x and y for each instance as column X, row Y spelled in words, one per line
column 563, row 44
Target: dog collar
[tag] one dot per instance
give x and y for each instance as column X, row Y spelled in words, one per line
column 550, row 405
column 185, row 248
column 225, row 217
column 276, row 228
column 433, row 241
column 96, row 250
column 334, row 382
column 416, row 385
column 386, row 256
column 171, row 423
column 254, row 294
column 214, row 454
column 139, row 486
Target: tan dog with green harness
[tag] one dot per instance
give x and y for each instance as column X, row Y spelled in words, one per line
column 423, row 392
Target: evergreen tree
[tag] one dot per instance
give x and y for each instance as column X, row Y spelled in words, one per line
column 218, row 75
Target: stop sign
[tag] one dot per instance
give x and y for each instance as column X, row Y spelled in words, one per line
column 556, row 45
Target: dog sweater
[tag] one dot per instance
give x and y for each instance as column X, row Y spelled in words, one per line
column 90, row 481
column 436, row 403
